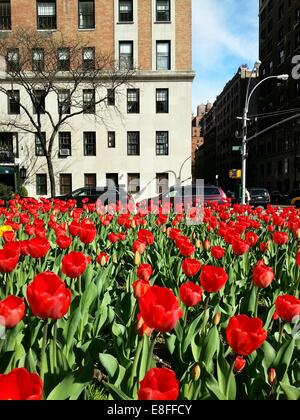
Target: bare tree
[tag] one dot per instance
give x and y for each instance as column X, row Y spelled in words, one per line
column 44, row 66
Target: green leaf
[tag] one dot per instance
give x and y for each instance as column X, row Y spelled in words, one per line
column 269, row 355
column 72, row 327
column 116, row 393
column 292, row 393
column 191, row 332
column 109, row 363
column 283, row 358
column 211, row 346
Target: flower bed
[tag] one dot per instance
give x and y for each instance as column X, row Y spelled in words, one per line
column 148, row 306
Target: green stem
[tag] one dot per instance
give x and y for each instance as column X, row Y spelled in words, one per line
column 281, row 332
column 43, row 351
column 80, row 285
column 204, row 314
column 54, row 343
column 228, row 378
column 135, row 362
column 186, row 313
column 256, row 302
column 150, row 355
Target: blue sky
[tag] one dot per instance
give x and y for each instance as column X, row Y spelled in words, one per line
column 225, row 35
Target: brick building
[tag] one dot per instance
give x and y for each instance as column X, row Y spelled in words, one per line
column 197, row 133
column 274, row 157
column 142, row 150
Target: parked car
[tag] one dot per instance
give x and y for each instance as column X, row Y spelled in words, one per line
column 278, row 198
column 106, row 195
column 259, row 197
column 191, row 195
column 294, row 198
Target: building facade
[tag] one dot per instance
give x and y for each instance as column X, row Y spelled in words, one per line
column 143, row 135
column 197, row 133
column 275, row 156
column 222, row 132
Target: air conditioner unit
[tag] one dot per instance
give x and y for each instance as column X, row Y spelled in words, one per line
column 64, row 152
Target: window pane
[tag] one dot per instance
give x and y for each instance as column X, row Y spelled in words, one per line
column 133, row 143
column 5, row 15
column 162, row 183
column 86, row 14
column 133, row 182
column 162, row 143
column 163, row 56
column 89, row 143
column 90, row 180
column 65, row 182
column 46, row 9
column 41, row 184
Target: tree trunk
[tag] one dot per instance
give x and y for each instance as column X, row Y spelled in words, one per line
column 51, row 175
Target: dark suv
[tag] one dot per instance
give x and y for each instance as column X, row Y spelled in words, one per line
column 259, row 197
column 107, row 195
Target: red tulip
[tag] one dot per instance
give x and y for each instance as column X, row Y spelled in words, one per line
column 239, row 364
column 38, row 247
column 75, row 228
column 217, row 252
column 240, row 247
column 140, row 288
column 174, row 233
column 87, row 232
column 113, row 238
column 186, row 248
column 20, row 384
column 9, row 259
column 48, row 296
column 144, row 271
column 64, row 241
column 245, row 335
column 287, row 307
column 262, row 275
column 160, row 309
column 12, row 311
column 146, row 236
column 251, row 238
column 74, row 264
column 264, row 246
column 213, row 278
column 139, row 247
column 191, row 267
column 9, row 236
column 142, row 328
column 103, row 258
column 190, row 294
column 159, row 384
column 280, row 238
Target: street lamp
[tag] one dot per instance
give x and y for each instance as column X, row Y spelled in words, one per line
column 283, row 77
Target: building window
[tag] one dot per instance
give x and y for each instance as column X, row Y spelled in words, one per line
column 90, row 180
column 64, row 140
column 162, row 183
column 133, row 143
column 125, row 10
column 112, row 180
column 89, row 143
column 89, row 106
column 13, row 60
column 86, row 11
column 39, row 102
column 41, row 184
column 63, row 59
column 64, row 102
column 163, row 60
column 111, row 97
column 162, row 143
column 126, row 55
column 13, row 102
column 5, row 15
column 88, row 58
column 111, row 139
column 162, row 101
column 133, row 101
column 46, row 14
column 65, row 183
column 39, row 141
column 38, row 59
column 133, row 183
column 163, row 11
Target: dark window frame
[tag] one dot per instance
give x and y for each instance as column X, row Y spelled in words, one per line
column 13, row 65
column 5, row 15
column 88, row 64
column 63, row 65
column 168, row 57
column 40, row 185
column 42, row 103
column 162, row 148
column 132, row 177
column 64, row 142
column 111, row 142
column 46, row 22
column 39, row 151
column 38, row 65
column 89, row 107
column 89, row 144
column 64, row 107
column 133, row 107
column 133, row 144
column 65, row 187
column 129, row 57
column 162, row 107
column 111, row 97
column 159, row 178
column 163, row 16
column 92, row 175
column 90, row 18
column 125, row 17
column 11, row 103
